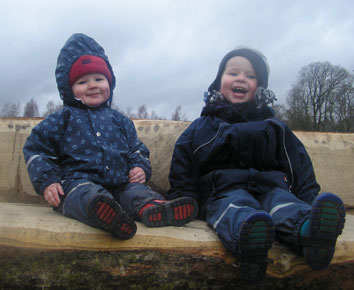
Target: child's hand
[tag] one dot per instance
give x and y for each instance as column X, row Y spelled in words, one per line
column 51, row 194
column 137, row 175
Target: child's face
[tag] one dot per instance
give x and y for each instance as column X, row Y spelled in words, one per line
column 239, row 81
column 92, row 89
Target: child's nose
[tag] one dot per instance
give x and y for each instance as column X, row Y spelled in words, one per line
column 92, row 84
column 241, row 77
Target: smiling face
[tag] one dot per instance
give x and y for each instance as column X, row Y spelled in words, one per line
column 92, row 89
column 239, row 81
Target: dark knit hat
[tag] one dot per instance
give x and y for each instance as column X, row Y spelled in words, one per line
column 88, row 64
column 256, row 58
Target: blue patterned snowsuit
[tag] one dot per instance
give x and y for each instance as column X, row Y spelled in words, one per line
column 236, row 159
column 87, row 150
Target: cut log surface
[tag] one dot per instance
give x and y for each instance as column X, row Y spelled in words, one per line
column 41, row 249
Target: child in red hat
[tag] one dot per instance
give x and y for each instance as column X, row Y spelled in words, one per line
column 87, row 161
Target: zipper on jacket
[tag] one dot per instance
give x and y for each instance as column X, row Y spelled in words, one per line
column 286, row 151
column 206, row 143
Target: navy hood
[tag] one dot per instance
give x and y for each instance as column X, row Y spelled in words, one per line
column 76, row 46
column 263, row 96
column 256, row 58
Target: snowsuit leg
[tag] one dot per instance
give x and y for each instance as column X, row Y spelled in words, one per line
column 133, row 196
column 226, row 212
column 288, row 213
column 78, row 195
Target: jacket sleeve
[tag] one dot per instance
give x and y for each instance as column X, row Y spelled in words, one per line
column 305, row 186
column 41, row 152
column 138, row 152
column 183, row 177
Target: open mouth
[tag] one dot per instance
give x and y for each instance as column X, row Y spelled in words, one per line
column 239, row 90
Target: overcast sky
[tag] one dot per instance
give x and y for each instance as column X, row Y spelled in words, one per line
column 166, row 53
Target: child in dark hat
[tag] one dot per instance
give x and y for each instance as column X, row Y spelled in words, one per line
column 87, row 161
column 250, row 174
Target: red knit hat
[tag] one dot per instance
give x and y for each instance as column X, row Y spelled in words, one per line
column 88, row 64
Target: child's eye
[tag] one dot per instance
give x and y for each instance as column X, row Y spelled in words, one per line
column 81, row 83
column 99, row 79
column 252, row 77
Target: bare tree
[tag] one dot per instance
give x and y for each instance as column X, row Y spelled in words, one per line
column 52, row 108
column 344, row 107
column 312, row 99
column 177, row 115
column 142, row 112
column 31, row 109
column 280, row 112
column 298, row 113
column 154, row 116
column 11, row 110
column 129, row 113
column 115, row 107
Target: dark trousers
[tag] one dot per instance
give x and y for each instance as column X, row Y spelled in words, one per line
column 79, row 193
column 226, row 211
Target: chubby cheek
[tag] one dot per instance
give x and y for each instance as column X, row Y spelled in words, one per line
column 223, row 91
column 78, row 93
column 106, row 94
column 252, row 93
column 225, row 86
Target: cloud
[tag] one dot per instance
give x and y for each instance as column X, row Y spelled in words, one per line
column 166, row 53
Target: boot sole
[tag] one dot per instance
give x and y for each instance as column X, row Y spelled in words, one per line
column 108, row 215
column 326, row 224
column 176, row 212
column 255, row 240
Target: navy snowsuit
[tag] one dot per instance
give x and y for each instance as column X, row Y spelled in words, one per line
column 236, row 159
column 88, row 150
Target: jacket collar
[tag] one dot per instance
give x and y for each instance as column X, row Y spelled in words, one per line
column 241, row 112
